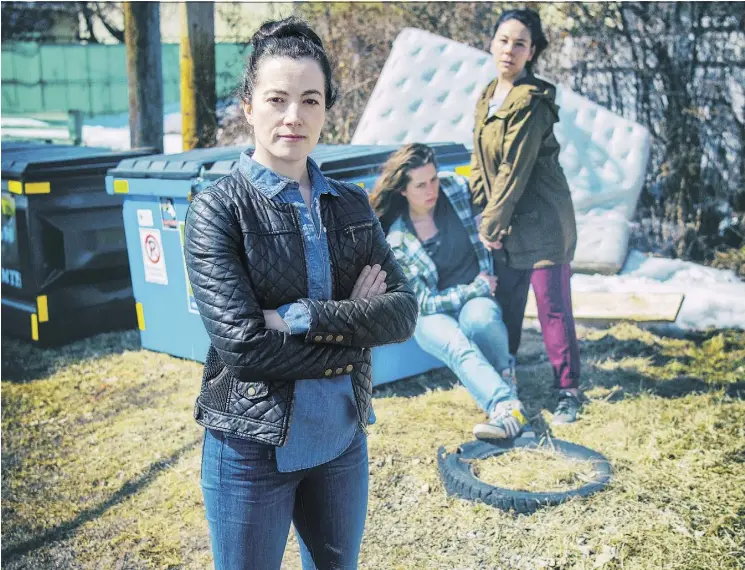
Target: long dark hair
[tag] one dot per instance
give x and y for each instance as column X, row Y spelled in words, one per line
column 386, row 198
column 291, row 38
column 530, row 20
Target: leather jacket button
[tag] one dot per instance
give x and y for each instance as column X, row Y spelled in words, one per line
column 329, row 338
column 318, row 338
column 329, row 372
column 339, row 338
column 349, row 368
column 339, row 371
column 251, row 391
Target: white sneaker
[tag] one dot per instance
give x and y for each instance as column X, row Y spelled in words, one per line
column 506, row 421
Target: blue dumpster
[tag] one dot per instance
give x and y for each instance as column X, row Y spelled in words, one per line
column 157, row 190
column 65, row 273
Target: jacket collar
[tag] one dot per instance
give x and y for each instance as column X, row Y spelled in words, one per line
column 527, row 77
column 269, row 183
column 527, row 86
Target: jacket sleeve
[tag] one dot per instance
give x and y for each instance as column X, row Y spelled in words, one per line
column 230, row 311
column 523, row 137
column 372, row 321
column 476, row 184
column 476, row 177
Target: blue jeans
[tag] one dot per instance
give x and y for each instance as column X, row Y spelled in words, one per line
column 474, row 346
column 250, row 505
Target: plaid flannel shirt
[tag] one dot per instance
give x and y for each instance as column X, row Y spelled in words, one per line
column 418, row 266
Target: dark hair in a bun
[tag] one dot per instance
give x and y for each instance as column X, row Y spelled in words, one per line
column 530, row 20
column 291, row 38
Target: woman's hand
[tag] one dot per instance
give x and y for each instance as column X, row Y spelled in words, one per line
column 493, row 244
column 492, row 280
column 370, row 283
column 273, row 321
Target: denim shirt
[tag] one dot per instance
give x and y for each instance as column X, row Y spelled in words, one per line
column 324, row 417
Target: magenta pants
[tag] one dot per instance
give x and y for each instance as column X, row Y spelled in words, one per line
column 554, row 299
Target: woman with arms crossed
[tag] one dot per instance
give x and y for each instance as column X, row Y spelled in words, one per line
column 294, row 282
column 527, row 217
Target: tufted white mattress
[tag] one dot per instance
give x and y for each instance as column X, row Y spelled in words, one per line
column 427, row 92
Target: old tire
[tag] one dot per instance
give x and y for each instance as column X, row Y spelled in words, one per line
column 459, row 480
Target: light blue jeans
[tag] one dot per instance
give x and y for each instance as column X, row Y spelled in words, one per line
column 474, row 346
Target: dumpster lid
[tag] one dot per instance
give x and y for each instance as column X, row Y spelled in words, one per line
column 325, row 155
column 213, row 163
column 348, row 159
column 181, row 166
column 359, row 160
column 26, row 160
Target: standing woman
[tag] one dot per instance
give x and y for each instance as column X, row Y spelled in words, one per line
column 527, row 216
column 295, row 282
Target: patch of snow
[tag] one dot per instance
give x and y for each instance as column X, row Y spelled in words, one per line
column 22, row 122
column 35, row 133
column 112, row 131
column 713, row 297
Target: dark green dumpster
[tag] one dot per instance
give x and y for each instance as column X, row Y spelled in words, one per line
column 65, row 273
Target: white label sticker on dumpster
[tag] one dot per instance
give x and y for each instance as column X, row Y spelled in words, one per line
column 191, row 303
column 153, row 256
column 168, row 214
column 145, row 218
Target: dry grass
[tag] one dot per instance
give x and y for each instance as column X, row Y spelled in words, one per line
column 733, row 259
column 100, row 462
column 534, row 470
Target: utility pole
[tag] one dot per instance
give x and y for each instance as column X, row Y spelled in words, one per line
column 144, row 74
column 198, row 95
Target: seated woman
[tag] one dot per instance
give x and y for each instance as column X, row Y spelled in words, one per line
column 435, row 240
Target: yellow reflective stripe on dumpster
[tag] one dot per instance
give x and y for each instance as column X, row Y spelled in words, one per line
column 15, row 186
column 463, row 170
column 37, row 188
column 140, row 316
column 34, row 327
column 41, row 304
column 121, row 187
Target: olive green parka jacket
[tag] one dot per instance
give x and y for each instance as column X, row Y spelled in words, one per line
column 516, row 180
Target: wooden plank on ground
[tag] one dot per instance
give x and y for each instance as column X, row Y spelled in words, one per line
column 56, row 127
column 639, row 307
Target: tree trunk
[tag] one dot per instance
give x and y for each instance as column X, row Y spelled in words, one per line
column 144, row 76
column 198, row 95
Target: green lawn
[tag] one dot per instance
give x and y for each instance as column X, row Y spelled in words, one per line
column 100, row 462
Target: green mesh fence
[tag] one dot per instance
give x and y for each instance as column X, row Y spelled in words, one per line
column 43, row 78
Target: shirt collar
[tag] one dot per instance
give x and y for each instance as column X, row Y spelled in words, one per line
column 270, row 183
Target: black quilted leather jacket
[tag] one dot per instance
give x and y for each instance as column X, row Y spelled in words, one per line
column 244, row 254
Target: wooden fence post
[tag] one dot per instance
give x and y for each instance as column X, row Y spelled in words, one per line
column 144, row 74
column 198, row 94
